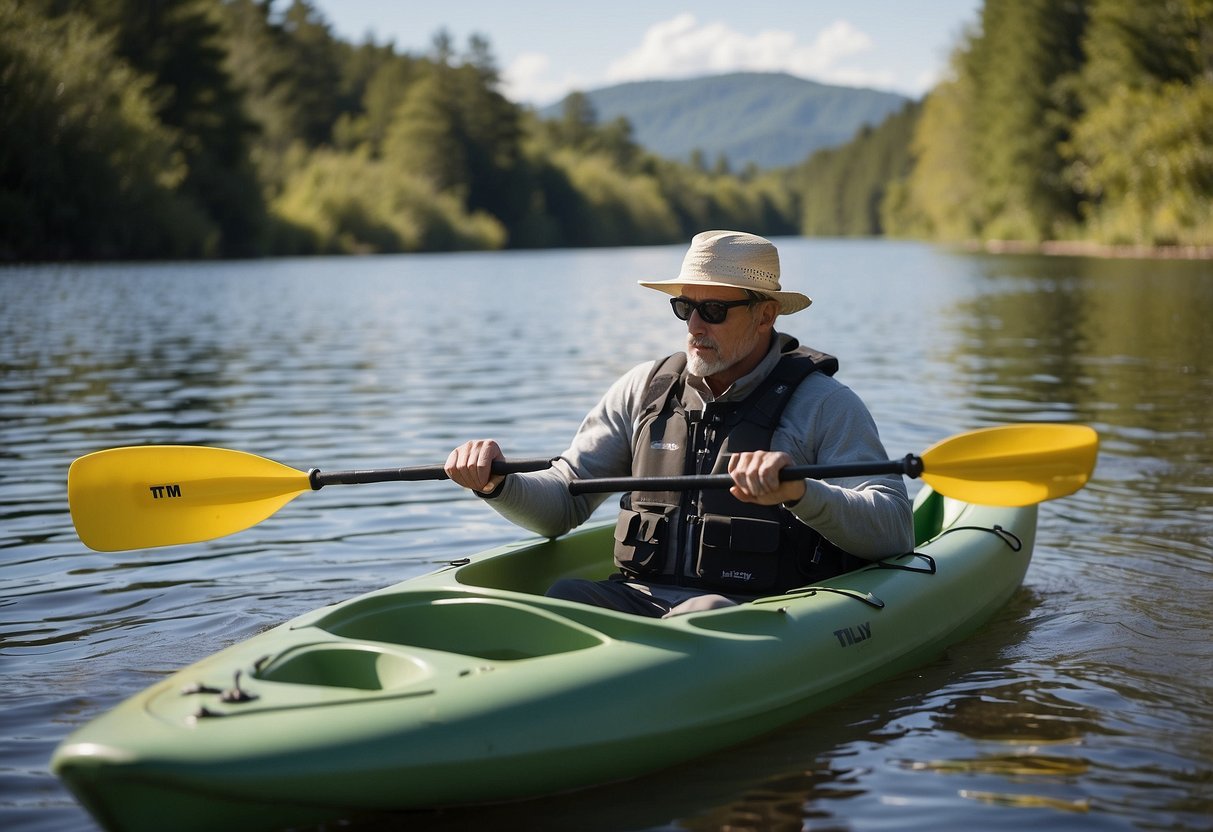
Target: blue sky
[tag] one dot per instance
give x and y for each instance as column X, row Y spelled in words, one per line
column 545, row 48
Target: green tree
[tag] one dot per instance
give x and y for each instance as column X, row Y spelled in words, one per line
column 618, row 210
column 351, row 203
column 259, row 58
column 382, row 96
column 86, row 168
column 578, row 122
column 701, row 201
column 314, row 57
column 491, row 129
column 1141, row 157
column 180, row 44
column 1145, row 164
column 456, row 130
column 940, row 196
column 1076, row 119
column 425, row 138
column 1021, row 64
column 842, row 189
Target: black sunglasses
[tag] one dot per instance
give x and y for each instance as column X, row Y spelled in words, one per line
column 711, row 311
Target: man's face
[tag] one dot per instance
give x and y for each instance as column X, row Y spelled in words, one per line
column 714, row 348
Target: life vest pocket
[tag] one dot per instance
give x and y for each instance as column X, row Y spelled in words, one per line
column 641, row 539
column 739, row 553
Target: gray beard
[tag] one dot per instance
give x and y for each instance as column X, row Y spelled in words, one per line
column 703, row 367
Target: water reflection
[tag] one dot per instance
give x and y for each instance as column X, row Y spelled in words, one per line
column 791, row 801
column 1020, row 713
column 1122, row 344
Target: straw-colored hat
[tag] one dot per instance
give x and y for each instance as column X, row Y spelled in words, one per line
column 735, row 259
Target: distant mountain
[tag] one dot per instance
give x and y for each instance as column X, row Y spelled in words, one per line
column 771, row 119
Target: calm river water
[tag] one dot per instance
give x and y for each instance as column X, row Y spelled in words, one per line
column 1086, row 704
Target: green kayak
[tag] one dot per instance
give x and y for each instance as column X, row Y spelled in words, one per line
column 468, row 686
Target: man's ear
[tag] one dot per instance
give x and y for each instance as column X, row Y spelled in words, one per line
column 768, row 311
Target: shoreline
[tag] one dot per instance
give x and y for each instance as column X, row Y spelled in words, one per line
column 1080, row 248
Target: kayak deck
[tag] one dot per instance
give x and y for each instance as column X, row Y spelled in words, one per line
column 467, row 685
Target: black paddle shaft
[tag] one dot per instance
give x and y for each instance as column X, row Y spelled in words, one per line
column 416, row 473
column 909, row 466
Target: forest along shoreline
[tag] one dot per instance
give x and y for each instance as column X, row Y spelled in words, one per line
column 193, row 129
column 1087, row 248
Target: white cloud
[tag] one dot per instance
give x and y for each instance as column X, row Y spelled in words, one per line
column 527, row 79
column 523, row 79
column 854, row 77
column 926, row 81
column 682, row 47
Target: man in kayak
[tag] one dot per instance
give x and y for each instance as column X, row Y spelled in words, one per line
column 743, row 397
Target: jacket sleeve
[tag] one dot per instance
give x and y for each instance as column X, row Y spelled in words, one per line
column 870, row 517
column 602, row 447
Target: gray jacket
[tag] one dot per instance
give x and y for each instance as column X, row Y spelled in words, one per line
column 824, row 422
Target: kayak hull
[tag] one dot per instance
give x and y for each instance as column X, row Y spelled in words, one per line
column 468, row 686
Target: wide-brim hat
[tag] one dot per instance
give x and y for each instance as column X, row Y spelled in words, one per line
column 734, row 259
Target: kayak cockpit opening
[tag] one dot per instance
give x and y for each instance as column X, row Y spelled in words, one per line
column 487, row 628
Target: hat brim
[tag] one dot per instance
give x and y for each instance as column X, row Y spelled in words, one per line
column 789, row 302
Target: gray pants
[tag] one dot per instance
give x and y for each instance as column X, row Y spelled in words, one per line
column 635, row 597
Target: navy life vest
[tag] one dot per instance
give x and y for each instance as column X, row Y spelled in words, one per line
column 708, row 539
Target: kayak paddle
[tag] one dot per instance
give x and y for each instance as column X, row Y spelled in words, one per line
column 1009, row 465
column 159, row 495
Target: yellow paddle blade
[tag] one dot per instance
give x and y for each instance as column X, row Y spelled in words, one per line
column 159, row 495
column 1012, row 465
